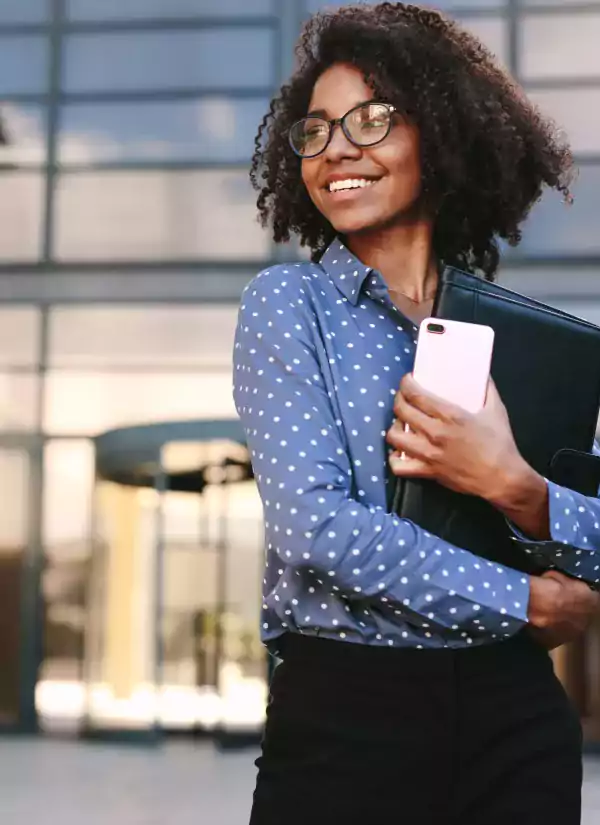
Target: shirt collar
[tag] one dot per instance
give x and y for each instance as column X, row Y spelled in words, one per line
column 345, row 270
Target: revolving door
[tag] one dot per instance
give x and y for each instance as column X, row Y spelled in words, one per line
column 172, row 639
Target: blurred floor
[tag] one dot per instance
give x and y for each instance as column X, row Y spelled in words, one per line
column 67, row 783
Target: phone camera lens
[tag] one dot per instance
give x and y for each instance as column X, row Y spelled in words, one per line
column 437, row 328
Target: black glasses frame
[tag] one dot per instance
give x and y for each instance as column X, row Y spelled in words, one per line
column 341, row 121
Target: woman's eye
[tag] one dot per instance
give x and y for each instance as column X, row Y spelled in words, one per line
column 372, row 124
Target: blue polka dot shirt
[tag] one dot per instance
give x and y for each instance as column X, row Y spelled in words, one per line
column 320, row 350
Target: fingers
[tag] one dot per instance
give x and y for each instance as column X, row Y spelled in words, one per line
column 428, row 403
column 414, row 444
column 417, row 420
column 408, row 467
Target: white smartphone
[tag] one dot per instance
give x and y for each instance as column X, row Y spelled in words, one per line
column 453, row 361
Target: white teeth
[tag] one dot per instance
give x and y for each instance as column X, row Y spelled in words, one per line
column 350, row 183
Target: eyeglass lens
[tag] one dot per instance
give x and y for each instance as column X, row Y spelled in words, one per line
column 364, row 126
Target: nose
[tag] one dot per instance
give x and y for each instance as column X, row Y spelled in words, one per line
column 340, row 147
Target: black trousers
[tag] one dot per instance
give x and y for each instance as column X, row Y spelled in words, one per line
column 369, row 736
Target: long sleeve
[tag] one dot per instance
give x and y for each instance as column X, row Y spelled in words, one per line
column 314, row 518
column 574, row 544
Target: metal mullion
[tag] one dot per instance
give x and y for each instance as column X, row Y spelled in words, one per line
column 290, row 20
column 164, row 95
column 200, row 267
column 58, row 9
column 562, row 83
column 167, row 24
column 154, row 166
column 19, row 369
column 466, row 13
column 36, row 98
column 548, row 10
column 135, row 267
column 513, row 38
column 141, row 369
column 518, row 261
column 20, row 29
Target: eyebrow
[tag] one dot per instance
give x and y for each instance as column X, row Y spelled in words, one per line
column 324, row 114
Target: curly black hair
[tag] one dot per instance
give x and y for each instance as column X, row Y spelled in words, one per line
column 486, row 150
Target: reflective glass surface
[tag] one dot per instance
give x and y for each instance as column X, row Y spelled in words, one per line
column 172, row 336
column 24, row 131
column 86, row 403
column 557, row 229
column 160, row 215
column 19, row 336
column 145, row 9
column 208, row 129
column 577, row 112
column 141, row 61
column 18, row 401
column 68, row 483
column 21, row 215
column 560, row 45
column 24, row 64
column 14, row 494
column 24, row 11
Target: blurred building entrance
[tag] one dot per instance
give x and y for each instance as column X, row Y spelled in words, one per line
column 173, row 599
column 19, row 580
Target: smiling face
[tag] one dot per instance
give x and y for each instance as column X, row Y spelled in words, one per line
column 360, row 189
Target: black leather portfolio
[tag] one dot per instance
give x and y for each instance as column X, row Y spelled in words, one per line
column 546, row 365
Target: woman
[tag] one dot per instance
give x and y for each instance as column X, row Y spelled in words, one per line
column 411, row 687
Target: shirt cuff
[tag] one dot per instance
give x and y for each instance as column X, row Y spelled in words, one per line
column 557, row 552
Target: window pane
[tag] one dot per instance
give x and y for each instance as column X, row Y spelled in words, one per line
column 19, row 336
column 560, row 45
column 18, row 401
column 23, row 65
column 165, row 215
column 144, row 9
column 68, row 484
column 21, row 216
column 577, row 111
column 493, row 33
column 220, row 129
column 141, row 336
column 24, row 129
column 89, row 403
column 14, row 538
column 124, row 61
column 24, row 11
column 588, row 310
column 555, row 228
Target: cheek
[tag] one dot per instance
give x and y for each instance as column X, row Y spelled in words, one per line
column 404, row 165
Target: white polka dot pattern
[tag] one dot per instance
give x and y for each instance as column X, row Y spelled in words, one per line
column 319, row 353
column 574, row 547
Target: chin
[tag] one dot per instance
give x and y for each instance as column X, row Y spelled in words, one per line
column 358, row 224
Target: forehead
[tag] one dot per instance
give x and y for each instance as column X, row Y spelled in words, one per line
column 338, row 89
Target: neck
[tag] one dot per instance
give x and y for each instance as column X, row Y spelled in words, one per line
column 403, row 255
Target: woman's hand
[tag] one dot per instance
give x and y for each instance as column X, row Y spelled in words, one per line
column 560, row 608
column 469, row 453
column 472, row 453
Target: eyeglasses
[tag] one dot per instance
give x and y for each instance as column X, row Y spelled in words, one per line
column 365, row 125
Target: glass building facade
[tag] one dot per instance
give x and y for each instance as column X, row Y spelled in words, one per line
column 128, row 231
